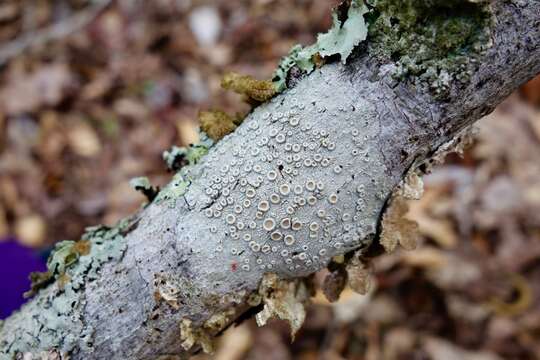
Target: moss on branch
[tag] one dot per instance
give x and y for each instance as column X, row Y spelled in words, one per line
column 433, row 41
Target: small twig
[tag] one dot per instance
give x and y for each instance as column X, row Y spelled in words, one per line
column 53, row 32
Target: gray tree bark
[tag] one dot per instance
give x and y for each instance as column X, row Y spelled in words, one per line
column 305, row 178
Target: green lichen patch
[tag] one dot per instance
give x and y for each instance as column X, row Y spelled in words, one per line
column 177, row 157
column 39, row 280
column 56, row 315
column 173, row 190
column 344, row 36
column 180, row 159
column 251, row 88
column 143, row 185
column 96, row 246
column 434, row 41
column 65, row 254
column 341, row 39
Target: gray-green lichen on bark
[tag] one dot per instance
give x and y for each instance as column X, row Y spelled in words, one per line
column 305, row 177
column 55, row 321
column 433, row 41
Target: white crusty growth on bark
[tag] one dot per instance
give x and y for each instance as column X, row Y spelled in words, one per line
column 304, row 178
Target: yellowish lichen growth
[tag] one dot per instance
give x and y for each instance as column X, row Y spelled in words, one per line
column 396, row 228
column 339, row 259
column 66, row 253
column 216, row 123
column 259, row 90
column 284, row 299
column 63, row 280
column 82, row 247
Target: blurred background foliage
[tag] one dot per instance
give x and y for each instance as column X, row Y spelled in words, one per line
column 92, row 92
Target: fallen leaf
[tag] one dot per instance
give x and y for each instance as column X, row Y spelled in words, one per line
column 27, row 92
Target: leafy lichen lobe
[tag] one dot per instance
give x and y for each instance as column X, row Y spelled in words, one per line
column 57, row 320
column 177, row 157
column 143, row 185
column 340, row 39
column 181, row 159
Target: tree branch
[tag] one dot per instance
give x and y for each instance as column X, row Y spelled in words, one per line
column 305, row 178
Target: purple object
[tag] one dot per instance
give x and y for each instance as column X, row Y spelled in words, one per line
column 16, row 264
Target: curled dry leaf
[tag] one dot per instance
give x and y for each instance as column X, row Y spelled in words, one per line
column 334, row 283
column 191, row 336
column 284, row 299
column 412, row 188
column 359, row 275
column 396, row 228
column 166, row 290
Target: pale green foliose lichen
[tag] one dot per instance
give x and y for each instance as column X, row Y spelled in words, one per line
column 175, row 189
column 341, row 39
column 62, row 257
column 56, row 316
column 143, row 185
column 177, row 157
column 180, row 159
column 140, row 182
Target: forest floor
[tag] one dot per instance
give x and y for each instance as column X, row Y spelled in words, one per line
column 91, row 95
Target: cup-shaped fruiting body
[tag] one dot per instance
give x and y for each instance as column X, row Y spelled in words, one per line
column 263, row 206
column 269, row 224
column 289, row 240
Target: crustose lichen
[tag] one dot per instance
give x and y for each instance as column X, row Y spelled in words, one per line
column 430, row 41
